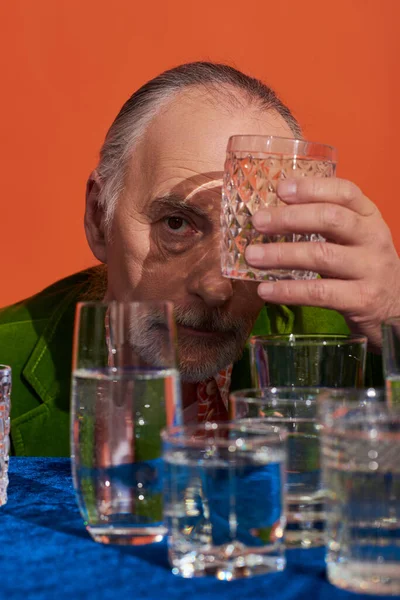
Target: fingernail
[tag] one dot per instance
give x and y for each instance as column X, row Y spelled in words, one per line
column 287, row 189
column 254, row 254
column 262, row 218
column 266, row 289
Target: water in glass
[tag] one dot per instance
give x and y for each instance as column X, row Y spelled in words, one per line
column 117, row 465
column 225, row 518
column 362, row 475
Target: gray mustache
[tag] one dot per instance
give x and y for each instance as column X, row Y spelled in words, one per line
column 197, row 319
column 216, row 321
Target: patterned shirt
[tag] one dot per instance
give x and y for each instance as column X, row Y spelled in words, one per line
column 213, row 396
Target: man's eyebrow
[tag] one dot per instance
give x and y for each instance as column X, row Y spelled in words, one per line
column 175, row 202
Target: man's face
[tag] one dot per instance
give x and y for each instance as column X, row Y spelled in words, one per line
column 164, row 242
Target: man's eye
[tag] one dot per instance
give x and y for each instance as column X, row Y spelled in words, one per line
column 177, row 224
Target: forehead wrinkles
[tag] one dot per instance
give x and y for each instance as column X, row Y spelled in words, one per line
column 188, row 187
column 202, row 189
column 213, row 185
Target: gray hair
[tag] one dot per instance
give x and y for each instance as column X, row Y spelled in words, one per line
column 136, row 114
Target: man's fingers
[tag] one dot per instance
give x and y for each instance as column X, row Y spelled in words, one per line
column 326, row 189
column 342, row 296
column 329, row 260
column 330, row 220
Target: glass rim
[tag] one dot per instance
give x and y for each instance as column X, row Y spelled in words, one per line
column 272, row 394
column 184, row 435
column 374, row 415
column 249, row 394
column 330, row 339
column 298, row 146
column 369, row 395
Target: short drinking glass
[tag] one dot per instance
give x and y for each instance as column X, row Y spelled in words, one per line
column 295, row 410
column 125, row 390
column 314, row 360
column 361, row 472
column 224, row 499
column 254, row 166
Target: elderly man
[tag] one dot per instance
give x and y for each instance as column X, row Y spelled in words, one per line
column 152, row 218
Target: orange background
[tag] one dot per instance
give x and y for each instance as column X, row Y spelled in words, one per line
column 68, row 65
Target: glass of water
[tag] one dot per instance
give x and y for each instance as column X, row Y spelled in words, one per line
column 391, row 359
column 294, row 410
column 253, row 168
column 224, row 499
column 361, row 471
column 313, row 360
column 125, row 391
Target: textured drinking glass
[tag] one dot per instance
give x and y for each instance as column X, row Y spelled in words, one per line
column 125, row 390
column 295, row 410
column 391, row 359
column 361, row 472
column 254, row 166
column 308, row 360
column 5, row 393
column 224, row 499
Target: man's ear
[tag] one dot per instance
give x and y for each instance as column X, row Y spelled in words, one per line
column 95, row 219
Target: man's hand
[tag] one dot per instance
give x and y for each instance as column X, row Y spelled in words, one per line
column 358, row 263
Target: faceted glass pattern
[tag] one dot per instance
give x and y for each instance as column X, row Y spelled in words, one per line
column 250, row 181
column 5, row 392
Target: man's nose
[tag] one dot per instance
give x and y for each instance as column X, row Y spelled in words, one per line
column 210, row 286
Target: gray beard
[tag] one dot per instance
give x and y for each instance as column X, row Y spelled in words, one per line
column 154, row 347
column 199, row 359
column 213, row 356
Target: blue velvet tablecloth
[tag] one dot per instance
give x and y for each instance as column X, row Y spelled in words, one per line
column 45, row 553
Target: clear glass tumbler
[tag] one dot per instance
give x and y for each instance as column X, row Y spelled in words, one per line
column 361, row 472
column 125, row 391
column 308, row 360
column 254, row 166
column 224, row 499
column 5, row 395
column 294, row 410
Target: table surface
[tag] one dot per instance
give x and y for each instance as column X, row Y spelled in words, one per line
column 47, row 553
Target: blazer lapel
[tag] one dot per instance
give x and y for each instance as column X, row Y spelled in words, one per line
column 48, row 372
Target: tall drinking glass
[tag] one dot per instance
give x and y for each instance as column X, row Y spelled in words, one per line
column 294, row 410
column 391, row 359
column 224, row 499
column 308, row 360
column 254, row 166
column 125, row 390
column 361, row 473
